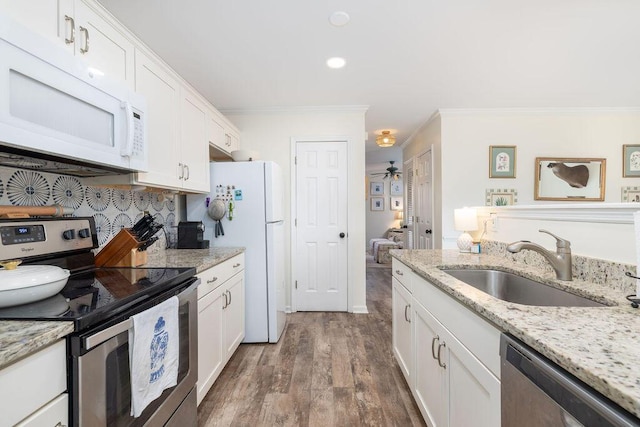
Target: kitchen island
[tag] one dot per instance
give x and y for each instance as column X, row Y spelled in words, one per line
column 599, row 345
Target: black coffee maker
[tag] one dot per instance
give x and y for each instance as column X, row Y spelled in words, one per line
column 190, row 235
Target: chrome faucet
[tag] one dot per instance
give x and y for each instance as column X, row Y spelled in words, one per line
column 560, row 261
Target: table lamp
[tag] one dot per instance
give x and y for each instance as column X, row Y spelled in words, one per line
column 465, row 220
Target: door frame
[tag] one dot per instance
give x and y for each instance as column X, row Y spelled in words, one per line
column 293, row 227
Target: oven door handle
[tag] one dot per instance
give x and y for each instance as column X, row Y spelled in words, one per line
column 107, row 334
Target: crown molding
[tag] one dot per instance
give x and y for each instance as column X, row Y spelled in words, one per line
column 540, row 111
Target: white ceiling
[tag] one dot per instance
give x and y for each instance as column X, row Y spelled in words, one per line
column 405, row 58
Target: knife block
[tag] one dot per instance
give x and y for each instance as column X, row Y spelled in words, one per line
column 134, row 258
column 118, row 249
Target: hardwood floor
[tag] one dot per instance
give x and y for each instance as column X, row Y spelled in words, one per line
column 328, row 369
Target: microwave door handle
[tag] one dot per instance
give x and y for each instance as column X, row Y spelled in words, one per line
column 127, row 150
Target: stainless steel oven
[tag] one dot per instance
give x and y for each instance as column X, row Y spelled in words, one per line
column 100, row 360
column 538, row 393
column 100, row 303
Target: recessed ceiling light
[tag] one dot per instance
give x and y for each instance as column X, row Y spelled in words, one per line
column 336, row 62
column 339, row 19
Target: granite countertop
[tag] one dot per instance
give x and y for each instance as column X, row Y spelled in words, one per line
column 599, row 345
column 20, row 338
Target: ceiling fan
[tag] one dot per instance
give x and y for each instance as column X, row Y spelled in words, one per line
column 391, row 172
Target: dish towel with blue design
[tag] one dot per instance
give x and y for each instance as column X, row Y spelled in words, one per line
column 153, row 353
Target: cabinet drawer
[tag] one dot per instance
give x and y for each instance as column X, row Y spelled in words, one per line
column 54, row 413
column 32, row 382
column 217, row 275
column 402, row 273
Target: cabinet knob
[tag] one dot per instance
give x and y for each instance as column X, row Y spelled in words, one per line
column 236, row 265
column 399, row 273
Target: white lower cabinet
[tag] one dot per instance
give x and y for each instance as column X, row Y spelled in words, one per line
column 402, row 328
column 220, row 319
column 456, row 361
column 33, row 389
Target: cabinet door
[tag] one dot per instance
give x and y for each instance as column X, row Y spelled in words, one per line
column 216, row 131
column 211, row 357
column 401, row 324
column 194, row 142
column 234, row 314
column 430, row 378
column 474, row 392
column 162, row 92
column 102, row 45
column 40, row 16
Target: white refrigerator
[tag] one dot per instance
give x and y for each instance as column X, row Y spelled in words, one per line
column 255, row 190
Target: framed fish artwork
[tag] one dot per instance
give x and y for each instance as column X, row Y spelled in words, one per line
column 575, row 179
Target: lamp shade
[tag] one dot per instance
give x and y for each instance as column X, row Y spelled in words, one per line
column 465, row 219
column 385, row 139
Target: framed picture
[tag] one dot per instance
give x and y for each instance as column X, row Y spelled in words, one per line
column 377, row 188
column 501, row 196
column 630, row 161
column 502, row 161
column 631, row 194
column 569, row 179
column 377, row 203
column 396, row 203
column 396, row 188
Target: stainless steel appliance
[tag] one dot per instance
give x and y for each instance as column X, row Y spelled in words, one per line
column 538, row 393
column 100, row 303
column 54, row 110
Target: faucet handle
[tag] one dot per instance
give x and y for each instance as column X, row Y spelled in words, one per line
column 560, row 242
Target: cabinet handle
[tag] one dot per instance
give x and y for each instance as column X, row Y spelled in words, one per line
column 236, row 265
column 60, row 424
column 212, row 280
column 229, row 292
column 408, row 319
column 226, row 301
column 181, row 166
column 399, row 273
column 188, row 173
column 433, row 350
column 71, row 39
column 440, row 362
column 85, row 48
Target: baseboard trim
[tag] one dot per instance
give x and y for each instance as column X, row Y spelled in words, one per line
column 359, row 309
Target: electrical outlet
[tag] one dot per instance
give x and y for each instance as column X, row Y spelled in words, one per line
column 493, row 217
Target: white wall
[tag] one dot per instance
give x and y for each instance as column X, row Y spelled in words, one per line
column 270, row 133
column 467, row 134
column 379, row 222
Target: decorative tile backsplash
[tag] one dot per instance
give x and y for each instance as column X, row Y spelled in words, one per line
column 593, row 270
column 112, row 209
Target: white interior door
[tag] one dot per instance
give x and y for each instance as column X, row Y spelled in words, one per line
column 423, row 202
column 321, row 232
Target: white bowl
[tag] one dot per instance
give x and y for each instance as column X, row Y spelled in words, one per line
column 31, row 283
column 244, row 155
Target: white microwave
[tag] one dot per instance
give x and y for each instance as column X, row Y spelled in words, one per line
column 52, row 104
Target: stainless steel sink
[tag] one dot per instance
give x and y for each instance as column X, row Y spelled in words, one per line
column 513, row 288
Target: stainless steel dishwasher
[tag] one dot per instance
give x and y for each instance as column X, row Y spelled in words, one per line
column 538, row 393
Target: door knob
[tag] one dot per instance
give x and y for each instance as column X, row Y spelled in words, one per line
column 428, row 231
column 342, row 235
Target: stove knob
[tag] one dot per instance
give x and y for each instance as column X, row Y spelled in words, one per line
column 84, row 233
column 69, row 234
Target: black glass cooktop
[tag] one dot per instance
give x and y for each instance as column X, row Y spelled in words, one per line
column 94, row 296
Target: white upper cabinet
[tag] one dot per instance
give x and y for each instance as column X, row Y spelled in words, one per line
column 101, row 43
column 162, row 92
column 40, row 16
column 194, row 150
column 223, row 136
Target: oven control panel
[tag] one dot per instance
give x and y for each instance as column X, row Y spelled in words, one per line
column 22, row 238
